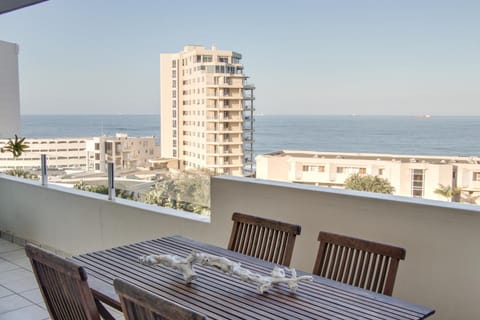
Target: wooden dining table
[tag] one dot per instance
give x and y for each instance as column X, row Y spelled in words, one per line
column 221, row 296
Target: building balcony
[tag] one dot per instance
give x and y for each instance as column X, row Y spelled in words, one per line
column 248, row 86
column 441, row 239
column 226, row 164
column 236, row 107
column 225, row 119
column 232, row 84
column 222, row 140
column 224, row 130
column 232, row 96
column 223, row 152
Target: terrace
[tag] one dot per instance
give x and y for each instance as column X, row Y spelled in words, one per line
column 440, row 270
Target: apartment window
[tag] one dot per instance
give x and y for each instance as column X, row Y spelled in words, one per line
column 351, row 170
column 108, row 147
column 199, row 58
column 174, row 133
column 174, row 143
column 97, row 146
column 174, row 83
column 309, row 168
column 174, row 123
column 174, row 153
column 222, row 59
column 207, row 58
column 174, row 113
column 174, row 63
column 476, row 176
column 174, row 73
column 381, row 171
column 418, row 176
column 174, row 93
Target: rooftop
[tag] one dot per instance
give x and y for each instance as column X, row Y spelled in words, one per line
column 376, row 157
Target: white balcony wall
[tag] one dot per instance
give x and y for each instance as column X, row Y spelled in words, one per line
column 441, row 239
column 440, row 271
column 75, row 221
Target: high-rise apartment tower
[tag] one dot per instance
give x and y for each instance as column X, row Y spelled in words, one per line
column 206, row 111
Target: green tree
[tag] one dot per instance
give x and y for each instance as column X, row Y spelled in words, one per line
column 452, row 194
column 164, row 193
column 186, row 191
column 16, row 147
column 368, row 183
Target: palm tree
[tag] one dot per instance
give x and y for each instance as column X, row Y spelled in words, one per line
column 470, row 198
column 452, row 194
column 16, row 147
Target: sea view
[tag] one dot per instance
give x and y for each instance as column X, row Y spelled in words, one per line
column 453, row 136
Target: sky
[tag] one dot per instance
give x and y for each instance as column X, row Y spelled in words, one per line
column 334, row 57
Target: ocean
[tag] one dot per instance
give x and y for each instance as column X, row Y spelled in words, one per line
column 452, row 136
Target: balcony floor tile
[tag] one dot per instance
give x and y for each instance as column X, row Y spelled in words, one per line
column 13, row 255
column 12, row 275
column 24, row 263
column 4, row 292
column 31, row 312
column 34, row 296
column 6, row 246
column 13, row 302
column 7, row 266
column 23, row 284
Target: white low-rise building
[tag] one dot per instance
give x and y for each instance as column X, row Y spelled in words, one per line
column 124, row 151
column 89, row 154
column 61, row 153
column 414, row 176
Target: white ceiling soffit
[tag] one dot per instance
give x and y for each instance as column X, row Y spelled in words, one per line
column 10, row 5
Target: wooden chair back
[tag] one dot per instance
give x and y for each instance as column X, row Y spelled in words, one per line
column 63, row 285
column 262, row 238
column 138, row 304
column 361, row 263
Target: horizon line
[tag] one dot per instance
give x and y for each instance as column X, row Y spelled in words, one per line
column 264, row 114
